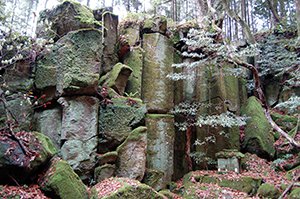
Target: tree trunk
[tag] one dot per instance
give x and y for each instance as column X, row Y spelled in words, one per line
column 248, row 34
column 297, row 2
column 188, row 148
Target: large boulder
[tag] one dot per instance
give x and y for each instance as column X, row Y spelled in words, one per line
column 117, row 120
column 131, row 162
column 49, row 123
column 60, row 181
column 72, row 65
column 79, row 133
column 258, row 138
column 160, row 150
column 123, row 188
column 23, row 153
column 158, row 91
column 66, row 17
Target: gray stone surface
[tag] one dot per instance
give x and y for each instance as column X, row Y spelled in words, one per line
column 72, row 65
column 158, row 91
column 116, row 121
column 131, row 162
column 79, row 133
column 160, row 150
column 48, row 122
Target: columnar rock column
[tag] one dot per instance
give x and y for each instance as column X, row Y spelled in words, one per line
column 157, row 89
column 158, row 94
column 160, row 150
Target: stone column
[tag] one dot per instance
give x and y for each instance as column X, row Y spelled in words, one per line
column 160, row 149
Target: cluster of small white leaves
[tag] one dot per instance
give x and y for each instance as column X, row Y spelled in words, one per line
column 207, row 139
column 187, row 65
column 178, row 76
column 182, row 126
column 251, row 50
column 292, row 104
column 201, row 157
column 225, row 120
column 187, row 108
column 236, row 72
column 192, row 55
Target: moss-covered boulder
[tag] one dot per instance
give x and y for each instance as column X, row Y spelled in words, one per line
column 79, row 133
column 123, row 188
column 158, row 91
column 60, row 181
column 117, row 78
column 131, row 162
column 72, row 65
column 23, row 155
column 160, row 150
column 286, row 122
column 268, row 191
column 66, row 17
column 294, row 194
column 245, row 184
column 135, row 61
column 258, row 138
column 116, row 121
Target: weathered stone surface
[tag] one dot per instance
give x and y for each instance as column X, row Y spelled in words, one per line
column 20, row 110
column 60, row 181
column 160, row 150
column 158, row 91
column 257, row 138
column 48, row 122
column 157, row 24
column 79, row 133
column 116, row 121
column 19, row 162
column 66, row 17
column 123, row 188
column 72, row 65
column 117, row 78
column 131, row 161
column 104, row 171
column 135, row 61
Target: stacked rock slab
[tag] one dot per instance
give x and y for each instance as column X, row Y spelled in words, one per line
column 160, row 150
column 79, row 133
